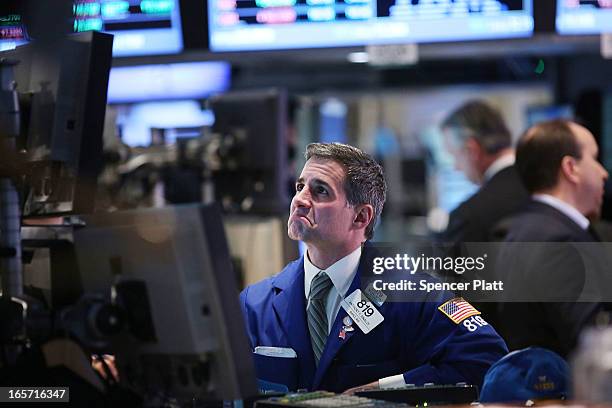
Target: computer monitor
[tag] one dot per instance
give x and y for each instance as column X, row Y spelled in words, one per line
column 140, row 124
column 290, row 24
column 13, row 32
column 170, row 268
column 179, row 81
column 62, row 85
column 541, row 113
column 249, row 156
column 140, row 27
column 576, row 17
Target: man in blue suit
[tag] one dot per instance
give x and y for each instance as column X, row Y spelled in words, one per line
column 298, row 324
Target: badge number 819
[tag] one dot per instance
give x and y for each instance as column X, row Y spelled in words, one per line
column 366, row 308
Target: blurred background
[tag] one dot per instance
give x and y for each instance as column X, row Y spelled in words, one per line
column 216, row 101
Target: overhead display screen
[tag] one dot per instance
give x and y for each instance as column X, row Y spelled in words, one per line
column 12, row 32
column 187, row 80
column 140, row 27
column 584, row 16
column 237, row 25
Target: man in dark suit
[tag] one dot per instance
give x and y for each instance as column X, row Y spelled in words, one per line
column 481, row 144
column 557, row 162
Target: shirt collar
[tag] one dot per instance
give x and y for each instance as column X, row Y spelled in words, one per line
column 565, row 208
column 498, row 165
column 341, row 273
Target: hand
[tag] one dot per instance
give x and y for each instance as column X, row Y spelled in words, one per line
column 366, row 387
column 111, row 367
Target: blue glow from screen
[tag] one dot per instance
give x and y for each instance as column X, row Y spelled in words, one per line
column 189, row 80
column 287, row 24
column 584, row 17
column 140, row 27
column 136, row 121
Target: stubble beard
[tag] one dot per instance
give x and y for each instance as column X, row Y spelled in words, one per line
column 297, row 231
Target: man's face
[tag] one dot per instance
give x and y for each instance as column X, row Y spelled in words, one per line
column 462, row 157
column 591, row 173
column 320, row 212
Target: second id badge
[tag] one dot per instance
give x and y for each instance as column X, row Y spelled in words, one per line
column 362, row 311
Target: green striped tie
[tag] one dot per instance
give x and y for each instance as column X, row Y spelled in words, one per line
column 317, row 318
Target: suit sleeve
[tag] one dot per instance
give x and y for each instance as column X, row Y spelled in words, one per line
column 455, row 230
column 557, row 275
column 250, row 328
column 452, row 352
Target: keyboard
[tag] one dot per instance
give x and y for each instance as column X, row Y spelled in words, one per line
column 324, row 399
column 429, row 394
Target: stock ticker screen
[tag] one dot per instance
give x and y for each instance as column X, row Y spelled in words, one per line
column 140, row 27
column 12, row 32
column 237, row 25
column 584, row 16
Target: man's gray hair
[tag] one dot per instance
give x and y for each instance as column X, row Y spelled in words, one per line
column 477, row 119
column 364, row 182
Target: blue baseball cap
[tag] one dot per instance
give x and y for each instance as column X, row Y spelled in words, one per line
column 533, row 373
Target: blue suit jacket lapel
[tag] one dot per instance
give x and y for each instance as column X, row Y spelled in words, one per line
column 334, row 343
column 290, row 308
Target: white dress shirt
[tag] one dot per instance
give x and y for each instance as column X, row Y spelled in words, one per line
column 565, row 208
column 342, row 274
column 498, row 165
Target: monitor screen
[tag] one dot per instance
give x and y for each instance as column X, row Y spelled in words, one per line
column 62, row 86
column 541, row 113
column 188, row 80
column 139, row 122
column 12, row 31
column 250, row 172
column 140, row 27
column 171, row 272
column 236, row 25
column 584, row 16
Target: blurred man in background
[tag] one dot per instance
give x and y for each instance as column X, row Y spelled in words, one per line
column 557, row 162
column 481, row 144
